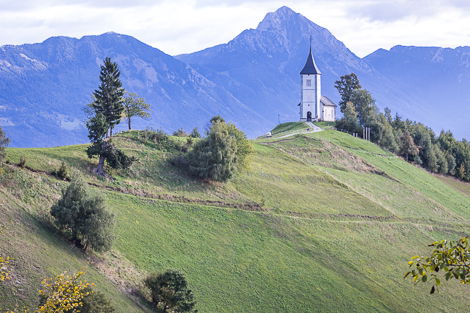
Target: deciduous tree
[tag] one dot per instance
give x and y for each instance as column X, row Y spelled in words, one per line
column 346, row 85
column 134, row 106
column 170, row 292
column 84, row 218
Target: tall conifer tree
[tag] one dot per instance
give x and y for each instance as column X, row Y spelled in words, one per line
column 109, row 95
column 106, row 112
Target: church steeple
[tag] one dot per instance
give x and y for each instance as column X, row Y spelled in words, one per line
column 310, row 67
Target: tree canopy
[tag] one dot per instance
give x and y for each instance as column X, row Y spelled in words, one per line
column 170, row 292
column 221, row 154
column 84, row 218
column 413, row 141
column 134, row 106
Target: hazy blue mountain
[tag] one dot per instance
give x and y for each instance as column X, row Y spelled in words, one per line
column 438, row 79
column 250, row 80
column 261, row 66
column 44, row 87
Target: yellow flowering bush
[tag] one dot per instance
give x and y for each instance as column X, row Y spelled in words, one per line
column 4, row 273
column 63, row 294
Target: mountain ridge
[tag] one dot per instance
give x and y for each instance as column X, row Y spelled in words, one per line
column 252, row 81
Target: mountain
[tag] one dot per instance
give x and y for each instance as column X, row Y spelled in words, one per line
column 253, row 81
column 322, row 222
column 44, row 88
column 261, row 66
column 438, row 78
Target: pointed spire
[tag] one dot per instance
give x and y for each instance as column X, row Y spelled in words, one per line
column 310, row 66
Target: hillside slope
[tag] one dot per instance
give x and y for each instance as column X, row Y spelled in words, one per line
column 320, row 222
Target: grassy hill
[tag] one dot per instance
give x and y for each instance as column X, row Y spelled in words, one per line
column 320, row 222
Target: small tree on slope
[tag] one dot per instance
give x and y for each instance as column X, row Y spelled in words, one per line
column 170, row 292
column 135, row 107
column 84, row 218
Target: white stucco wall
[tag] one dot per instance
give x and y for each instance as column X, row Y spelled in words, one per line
column 310, row 96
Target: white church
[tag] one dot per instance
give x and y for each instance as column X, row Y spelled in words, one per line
column 314, row 106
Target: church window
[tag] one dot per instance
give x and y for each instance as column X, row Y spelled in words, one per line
column 309, row 83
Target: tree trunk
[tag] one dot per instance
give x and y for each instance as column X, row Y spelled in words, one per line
column 129, row 122
column 100, row 169
column 111, row 132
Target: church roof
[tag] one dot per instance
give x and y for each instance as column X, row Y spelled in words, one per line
column 310, row 67
column 327, row 102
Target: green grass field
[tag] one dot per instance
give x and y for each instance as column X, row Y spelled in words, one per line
column 323, row 222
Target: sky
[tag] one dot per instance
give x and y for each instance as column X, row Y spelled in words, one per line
column 182, row 26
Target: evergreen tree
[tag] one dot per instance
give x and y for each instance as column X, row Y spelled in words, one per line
column 3, row 143
column 135, row 107
column 83, row 218
column 346, row 85
column 170, row 292
column 105, row 112
column 109, row 95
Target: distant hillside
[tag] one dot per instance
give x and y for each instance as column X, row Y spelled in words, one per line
column 251, row 80
column 322, row 222
column 44, row 88
column 435, row 78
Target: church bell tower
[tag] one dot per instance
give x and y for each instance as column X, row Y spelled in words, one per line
column 310, row 96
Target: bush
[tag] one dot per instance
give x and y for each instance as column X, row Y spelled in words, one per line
column 180, row 133
column 65, row 291
column 158, row 139
column 62, row 172
column 221, row 154
column 170, row 292
column 22, row 162
column 96, row 302
column 83, row 218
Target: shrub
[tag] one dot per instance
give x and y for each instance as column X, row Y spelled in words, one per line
column 170, row 292
column 83, row 218
column 64, row 293
column 221, row 154
column 96, row 302
column 158, row 139
column 62, row 172
column 22, row 162
column 180, row 133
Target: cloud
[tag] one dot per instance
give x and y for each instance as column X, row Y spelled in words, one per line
column 181, row 26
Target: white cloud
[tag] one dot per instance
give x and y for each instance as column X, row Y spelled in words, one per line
column 179, row 26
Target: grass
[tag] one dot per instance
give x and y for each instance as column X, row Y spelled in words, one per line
column 288, row 127
column 339, row 219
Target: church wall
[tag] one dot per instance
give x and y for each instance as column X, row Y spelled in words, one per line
column 308, row 95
